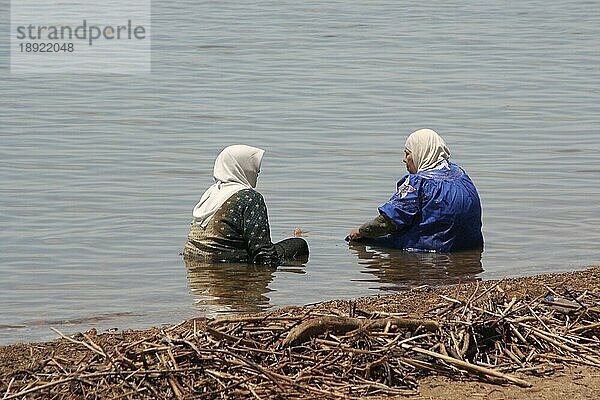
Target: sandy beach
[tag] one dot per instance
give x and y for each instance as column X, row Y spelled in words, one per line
column 411, row 344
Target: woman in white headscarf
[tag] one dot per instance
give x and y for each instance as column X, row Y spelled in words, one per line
column 230, row 221
column 436, row 206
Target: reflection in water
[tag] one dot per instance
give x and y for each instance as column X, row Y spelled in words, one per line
column 96, row 319
column 232, row 287
column 396, row 270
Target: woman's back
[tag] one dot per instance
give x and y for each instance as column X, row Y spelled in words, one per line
column 238, row 232
column 230, row 221
column 440, row 209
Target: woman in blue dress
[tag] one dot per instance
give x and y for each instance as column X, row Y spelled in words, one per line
column 436, row 206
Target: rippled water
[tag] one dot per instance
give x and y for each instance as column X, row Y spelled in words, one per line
column 99, row 174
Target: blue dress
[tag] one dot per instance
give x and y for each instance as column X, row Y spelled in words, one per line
column 434, row 210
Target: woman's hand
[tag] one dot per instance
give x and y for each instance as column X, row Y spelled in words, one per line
column 354, row 234
column 298, row 232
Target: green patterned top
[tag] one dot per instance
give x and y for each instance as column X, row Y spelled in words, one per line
column 238, row 232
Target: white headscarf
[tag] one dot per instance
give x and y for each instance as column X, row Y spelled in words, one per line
column 427, row 149
column 236, row 168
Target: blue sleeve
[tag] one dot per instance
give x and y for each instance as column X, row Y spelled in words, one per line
column 404, row 205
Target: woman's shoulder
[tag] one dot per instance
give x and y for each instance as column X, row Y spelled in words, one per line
column 409, row 185
column 239, row 202
column 409, row 180
column 448, row 172
column 248, row 196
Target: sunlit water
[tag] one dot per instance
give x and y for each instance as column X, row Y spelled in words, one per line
column 99, row 174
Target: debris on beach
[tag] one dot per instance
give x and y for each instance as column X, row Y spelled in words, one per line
column 486, row 331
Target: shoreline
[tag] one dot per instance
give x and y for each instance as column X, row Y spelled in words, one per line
column 328, row 328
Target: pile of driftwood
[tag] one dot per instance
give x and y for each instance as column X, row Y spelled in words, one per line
column 308, row 353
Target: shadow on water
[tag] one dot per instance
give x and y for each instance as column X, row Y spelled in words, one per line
column 220, row 288
column 397, row 270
